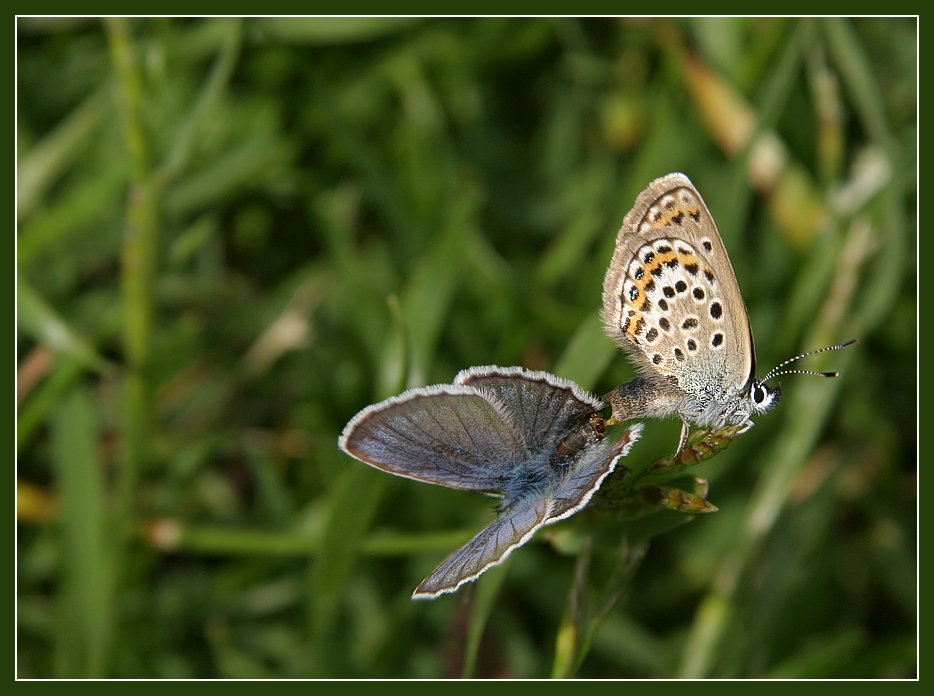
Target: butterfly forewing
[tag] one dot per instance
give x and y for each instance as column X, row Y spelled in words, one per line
column 449, row 435
column 671, row 297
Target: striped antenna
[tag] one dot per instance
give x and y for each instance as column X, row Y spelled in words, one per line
column 777, row 371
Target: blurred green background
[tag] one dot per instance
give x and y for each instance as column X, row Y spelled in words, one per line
column 235, row 234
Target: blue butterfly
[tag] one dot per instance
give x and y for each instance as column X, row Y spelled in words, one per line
column 534, row 439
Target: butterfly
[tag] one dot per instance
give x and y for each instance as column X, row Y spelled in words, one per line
column 671, row 301
column 535, row 440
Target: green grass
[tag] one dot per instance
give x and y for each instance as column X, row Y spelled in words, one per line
column 235, row 234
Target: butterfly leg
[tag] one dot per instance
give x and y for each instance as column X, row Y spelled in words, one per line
column 746, row 425
column 685, row 431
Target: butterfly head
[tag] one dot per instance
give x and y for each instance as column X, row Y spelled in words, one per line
column 763, row 398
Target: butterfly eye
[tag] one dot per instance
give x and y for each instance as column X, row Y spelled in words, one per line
column 759, row 394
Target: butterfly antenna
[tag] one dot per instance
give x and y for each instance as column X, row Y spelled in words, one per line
column 777, row 371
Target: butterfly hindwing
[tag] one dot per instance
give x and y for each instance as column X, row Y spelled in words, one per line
column 543, row 407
